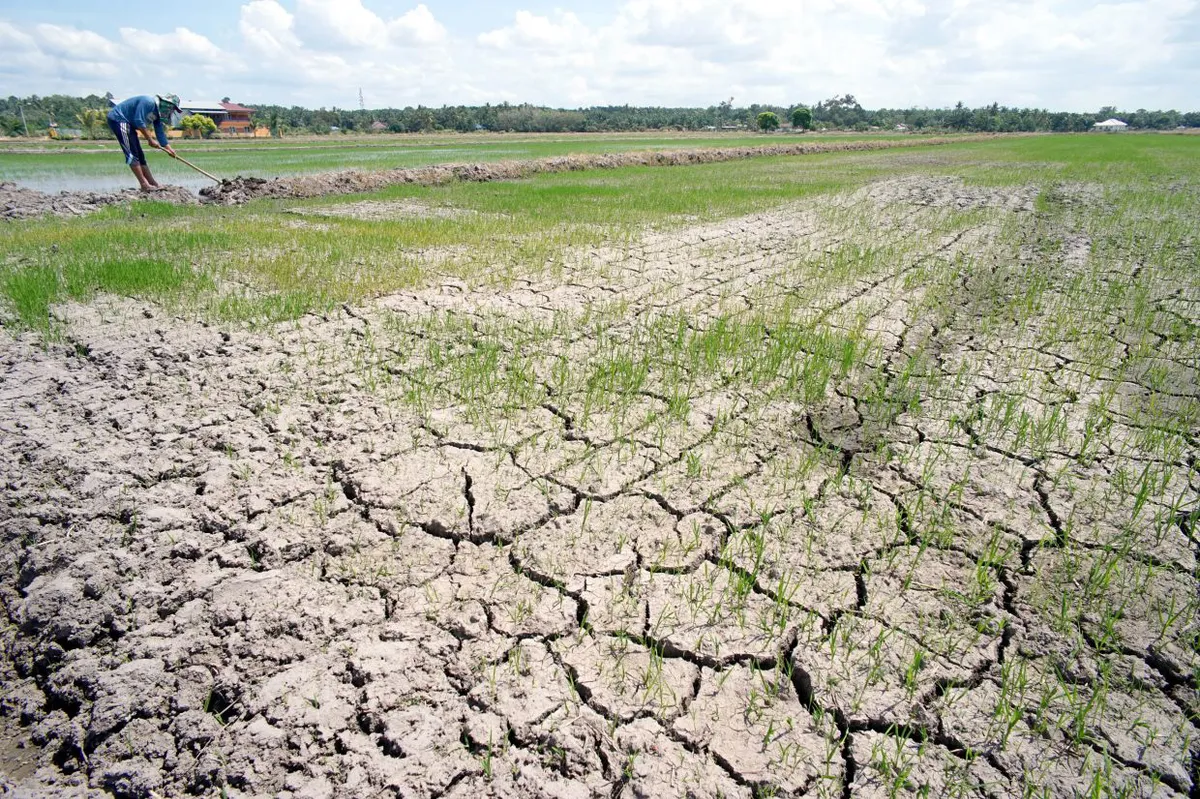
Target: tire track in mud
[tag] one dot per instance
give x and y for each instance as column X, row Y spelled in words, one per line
column 403, row 602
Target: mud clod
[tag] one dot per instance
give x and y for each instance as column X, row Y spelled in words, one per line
column 21, row 203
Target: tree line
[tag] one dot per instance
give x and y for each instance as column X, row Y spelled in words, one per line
column 835, row 113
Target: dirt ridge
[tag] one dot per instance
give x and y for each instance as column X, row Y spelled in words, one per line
column 238, row 190
column 18, row 202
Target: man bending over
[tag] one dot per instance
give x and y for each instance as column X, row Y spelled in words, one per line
column 136, row 115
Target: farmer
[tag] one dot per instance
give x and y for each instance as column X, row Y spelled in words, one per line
column 130, row 117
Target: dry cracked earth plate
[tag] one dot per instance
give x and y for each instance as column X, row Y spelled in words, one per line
column 240, row 564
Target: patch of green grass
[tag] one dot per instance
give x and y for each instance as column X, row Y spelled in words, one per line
column 293, row 264
column 33, row 290
column 1083, row 157
column 30, row 293
column 285, row 265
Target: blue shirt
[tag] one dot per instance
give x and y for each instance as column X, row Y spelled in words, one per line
column 141, row 112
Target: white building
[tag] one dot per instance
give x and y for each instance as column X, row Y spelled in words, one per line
column 1110, row 125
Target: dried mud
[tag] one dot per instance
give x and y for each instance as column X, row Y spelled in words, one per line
column 236, row 563
column 384, row 209
column 17, row 202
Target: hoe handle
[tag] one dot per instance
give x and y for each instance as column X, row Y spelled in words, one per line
column 198, row 169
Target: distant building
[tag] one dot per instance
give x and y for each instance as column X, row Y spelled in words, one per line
column 1110, row 125
column 209, row 108
column 237, row 119
column 378, row 127
column 902, row 127
column 232, row 119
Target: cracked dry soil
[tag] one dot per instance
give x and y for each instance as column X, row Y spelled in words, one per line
column 242, row 564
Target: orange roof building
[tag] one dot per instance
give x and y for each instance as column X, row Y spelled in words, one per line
column 237, row 119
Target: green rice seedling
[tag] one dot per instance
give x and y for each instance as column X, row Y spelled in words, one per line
column 893, row 759
column 875, row 656
column 913, row 670
column 1010, row 710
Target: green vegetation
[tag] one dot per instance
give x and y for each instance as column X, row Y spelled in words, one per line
column 54, row 165
column 802, row 118
column 512, row 228
column 93, row 122
column 198, row 125
column 842, row 112
column 767, row 121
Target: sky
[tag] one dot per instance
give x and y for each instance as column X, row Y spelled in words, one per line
column 1058, row 54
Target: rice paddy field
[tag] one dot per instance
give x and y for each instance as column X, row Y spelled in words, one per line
column 852, row 474
column 98, row 165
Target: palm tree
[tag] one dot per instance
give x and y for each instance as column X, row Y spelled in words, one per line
column 92, row 120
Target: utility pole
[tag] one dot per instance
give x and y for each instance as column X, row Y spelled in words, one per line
column 362, row 104
column 23, row 122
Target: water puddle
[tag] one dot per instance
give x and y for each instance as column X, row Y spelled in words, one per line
column 53, row 184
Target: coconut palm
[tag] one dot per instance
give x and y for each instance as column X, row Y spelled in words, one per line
column 92, row 121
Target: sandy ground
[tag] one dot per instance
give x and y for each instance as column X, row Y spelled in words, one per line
column 232, row 565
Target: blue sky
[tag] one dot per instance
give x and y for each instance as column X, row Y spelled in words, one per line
column 1061, row 54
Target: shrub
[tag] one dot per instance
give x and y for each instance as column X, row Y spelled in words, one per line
column 197, row 125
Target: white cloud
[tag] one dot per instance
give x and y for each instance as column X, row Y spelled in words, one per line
column 337, row 24
column 14, row 40
column 417, row 27
column 182, row 45
column 74, row 44
column 353, row 48
column 530, row 31
column 267, row 29
column 1073, row 54
column 88, row 71
column 1124, row 36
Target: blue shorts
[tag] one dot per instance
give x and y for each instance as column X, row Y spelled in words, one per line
column 127, row 135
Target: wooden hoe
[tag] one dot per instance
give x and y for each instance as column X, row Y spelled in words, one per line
column 198, row 169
